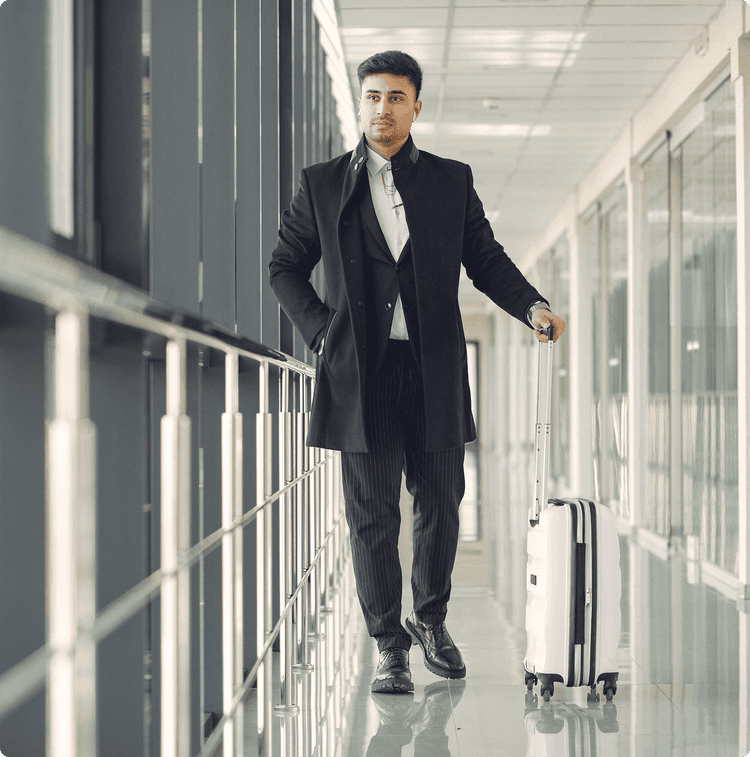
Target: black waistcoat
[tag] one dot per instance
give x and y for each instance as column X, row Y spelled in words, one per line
column 385, row 279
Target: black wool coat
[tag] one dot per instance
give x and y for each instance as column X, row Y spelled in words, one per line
column 447, row 229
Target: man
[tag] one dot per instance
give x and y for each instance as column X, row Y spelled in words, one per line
column 393, row 225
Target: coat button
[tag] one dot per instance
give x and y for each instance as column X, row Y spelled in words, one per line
column 352, row 260
column 388, row 306
column 398, row 269
column 360, row 302
column 345, row 223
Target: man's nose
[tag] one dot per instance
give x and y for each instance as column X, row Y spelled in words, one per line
column 383, row 108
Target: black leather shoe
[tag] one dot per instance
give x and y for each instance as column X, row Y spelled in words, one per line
column 393, row 675
column 441, row 656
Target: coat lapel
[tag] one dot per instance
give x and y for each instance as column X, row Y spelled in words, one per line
column 367, row 210
column 353, row 177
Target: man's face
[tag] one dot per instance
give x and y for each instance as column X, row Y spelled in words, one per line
column 387, row 104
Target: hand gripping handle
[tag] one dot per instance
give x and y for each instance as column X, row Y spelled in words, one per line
column 542, row 427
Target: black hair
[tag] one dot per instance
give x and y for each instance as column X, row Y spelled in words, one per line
column 392, row 62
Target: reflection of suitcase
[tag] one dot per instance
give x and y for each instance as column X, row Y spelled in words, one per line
column 573, row 578
column 567, row 729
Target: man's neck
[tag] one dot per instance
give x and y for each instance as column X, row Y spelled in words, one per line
column 388, row 150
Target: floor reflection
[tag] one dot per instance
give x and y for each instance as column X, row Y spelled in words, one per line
column 683, row 689
column 565, row 728
column 424, row 720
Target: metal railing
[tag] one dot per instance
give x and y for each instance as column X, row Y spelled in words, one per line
column 311, row 544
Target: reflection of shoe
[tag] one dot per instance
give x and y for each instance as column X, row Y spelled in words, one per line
column 394, row 730
column 440, row 699
column 441, row 656
column 393, row 711
column 393, row 673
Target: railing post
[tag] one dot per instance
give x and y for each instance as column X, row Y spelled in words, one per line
column 175, row 539
column 287, row 704
column 313, row 508
column 264, row 585
column 232, row 548
column 71, row 548
column 303, row 526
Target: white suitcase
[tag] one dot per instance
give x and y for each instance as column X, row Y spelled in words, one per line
column 572, row 578
column 567, row 730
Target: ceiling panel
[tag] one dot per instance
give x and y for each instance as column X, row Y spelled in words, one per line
column 510, row 17
column 372, row 32
column 672, row 15
column 374, row 6
column 480, row 78
column 625, row 50
column 369, row 17
column 617, row 64
column 524, row 3
column 641, row 33
column 708, row 7
column 610, row 78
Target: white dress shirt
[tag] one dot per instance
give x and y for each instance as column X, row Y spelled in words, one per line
column 392, row 220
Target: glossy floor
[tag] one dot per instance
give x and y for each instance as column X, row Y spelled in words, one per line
column 683, row 687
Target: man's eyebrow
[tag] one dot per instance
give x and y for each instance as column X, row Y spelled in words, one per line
column 392, row 92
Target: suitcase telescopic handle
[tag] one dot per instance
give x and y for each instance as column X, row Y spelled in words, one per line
column 542, row 426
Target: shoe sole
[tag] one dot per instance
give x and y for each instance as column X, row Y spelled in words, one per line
column 436, row 669
column 392, row 686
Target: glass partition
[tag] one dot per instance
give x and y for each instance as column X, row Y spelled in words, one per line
column 706, row 161
column 612, row 322
column 655, row 225
column 559, row 295
column 606, row 235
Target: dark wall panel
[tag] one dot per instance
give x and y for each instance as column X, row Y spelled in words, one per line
column 22, row 126
column 117, row 385
column 22, row 510
column 212, row 407
column 119, row 160
column 217, row 180
column 269, row 173
column 250, row 270
column 175, row 250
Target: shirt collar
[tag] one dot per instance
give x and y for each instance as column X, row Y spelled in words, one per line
column 375, row 161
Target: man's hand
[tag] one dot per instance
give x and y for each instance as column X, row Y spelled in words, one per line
column 542, row 319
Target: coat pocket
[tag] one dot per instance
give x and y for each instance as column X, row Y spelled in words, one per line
column 326, row 338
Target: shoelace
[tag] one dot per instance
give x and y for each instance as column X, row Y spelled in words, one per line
column 389, row 654
column 439, row 633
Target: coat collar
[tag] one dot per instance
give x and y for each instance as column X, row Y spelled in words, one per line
column 405, row 157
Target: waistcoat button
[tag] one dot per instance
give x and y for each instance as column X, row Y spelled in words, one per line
column 388, row 306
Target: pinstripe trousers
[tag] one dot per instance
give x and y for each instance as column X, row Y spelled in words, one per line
column 372, row 490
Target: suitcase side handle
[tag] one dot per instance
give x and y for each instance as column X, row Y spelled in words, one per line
column 542, row 426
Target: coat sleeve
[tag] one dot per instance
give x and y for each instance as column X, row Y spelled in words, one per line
column 292, row 262
column 488, row 266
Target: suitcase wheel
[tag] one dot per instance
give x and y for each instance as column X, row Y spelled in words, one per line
column 593, row 697
column 610, row 684
column 547, row 685
column 530, row 680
